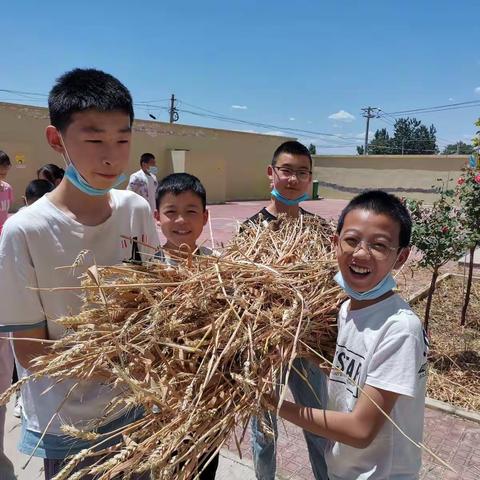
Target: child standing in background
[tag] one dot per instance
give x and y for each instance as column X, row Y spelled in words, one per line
column 6, row 193
column 6, row 356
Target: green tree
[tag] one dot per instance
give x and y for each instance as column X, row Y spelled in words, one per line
column 379, row 145
column 410, row 137
column 312, row 149
column 438, row 234
column 468, row 196
column 461, row 148
column 476, row 139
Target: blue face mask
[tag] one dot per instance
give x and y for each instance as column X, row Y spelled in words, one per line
column 276, row 194
column 153, row 170
column 76, row 179
column 384, row 286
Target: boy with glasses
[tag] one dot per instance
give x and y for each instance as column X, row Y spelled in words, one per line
column 290, row 175
column 381, row 355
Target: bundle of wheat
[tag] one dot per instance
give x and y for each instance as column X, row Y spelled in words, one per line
column 196, row 345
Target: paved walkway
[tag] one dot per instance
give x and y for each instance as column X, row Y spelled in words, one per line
column 455, row 440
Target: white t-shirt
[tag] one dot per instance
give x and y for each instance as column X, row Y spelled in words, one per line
column 383, row 346
column 144, row 185
column 33, row 244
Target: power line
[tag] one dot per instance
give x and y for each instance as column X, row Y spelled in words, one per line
column 266, row 125
column 438, row 108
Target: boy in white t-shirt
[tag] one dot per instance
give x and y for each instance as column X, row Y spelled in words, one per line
column 381, row 352
column 91, row 117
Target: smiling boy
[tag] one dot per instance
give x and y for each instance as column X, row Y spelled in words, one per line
column 381, row 352
column 181, row 213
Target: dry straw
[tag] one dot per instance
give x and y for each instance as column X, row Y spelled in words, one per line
column 196, row 345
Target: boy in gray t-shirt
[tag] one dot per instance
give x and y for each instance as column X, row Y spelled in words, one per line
column 381, row 353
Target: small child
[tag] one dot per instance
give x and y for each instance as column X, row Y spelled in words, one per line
column 35, row 190
column 381, row 352
column 6, row 357
column 181, row 214
column 6, row 193
column 52, row 173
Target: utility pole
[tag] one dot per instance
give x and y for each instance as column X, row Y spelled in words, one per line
column 368, row 113
column 173, row 110
column 458, row 148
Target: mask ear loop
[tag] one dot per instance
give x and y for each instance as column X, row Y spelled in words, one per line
column 400, row 270
column 65, row 154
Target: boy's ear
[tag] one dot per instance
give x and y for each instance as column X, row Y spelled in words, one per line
column 402, row 258
column 335, row 239
column 53, row 139
column 156, row 215
column 206, row 214
column 270, row 175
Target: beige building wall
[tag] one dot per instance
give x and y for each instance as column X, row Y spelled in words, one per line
column 231, row 164
column 410, row 176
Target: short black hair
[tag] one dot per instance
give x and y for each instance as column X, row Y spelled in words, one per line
column 4, row 159
column 84, row 89
column 381, row 203
column 37, row 189
column 177, row 183
column 293, row 148
column 51, row 172
column 146, row 157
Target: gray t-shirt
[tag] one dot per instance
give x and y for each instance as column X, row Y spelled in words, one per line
column 383, row 346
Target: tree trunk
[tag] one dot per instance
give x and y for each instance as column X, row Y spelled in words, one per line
column 429, row 298
column 466, row 300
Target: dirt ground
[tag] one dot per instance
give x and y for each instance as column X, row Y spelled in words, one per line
column 454, row 375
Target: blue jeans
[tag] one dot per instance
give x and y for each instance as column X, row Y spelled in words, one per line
column 265, row 447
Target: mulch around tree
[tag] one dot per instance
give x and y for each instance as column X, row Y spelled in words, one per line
column 454, row 375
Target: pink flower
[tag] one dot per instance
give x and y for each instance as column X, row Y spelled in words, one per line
column 445, row 229
column 477, row 178
column 460, row 181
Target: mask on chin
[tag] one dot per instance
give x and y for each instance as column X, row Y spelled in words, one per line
column 153, row 170
column 286, row 201
column 382, row 287
column 76, row 179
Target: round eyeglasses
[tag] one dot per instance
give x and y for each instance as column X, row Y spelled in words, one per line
column 378, row 250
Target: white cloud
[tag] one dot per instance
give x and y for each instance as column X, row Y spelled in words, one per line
column 277, row 133
column 451, row 99
column 309, row 122
column 292, row 119
column 342, row 116
column 240, row 107
column 477, row 90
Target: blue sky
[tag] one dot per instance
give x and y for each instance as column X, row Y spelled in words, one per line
column 287, row 64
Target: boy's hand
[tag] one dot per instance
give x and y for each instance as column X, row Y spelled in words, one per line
column 269, row 401
column 25, row 350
